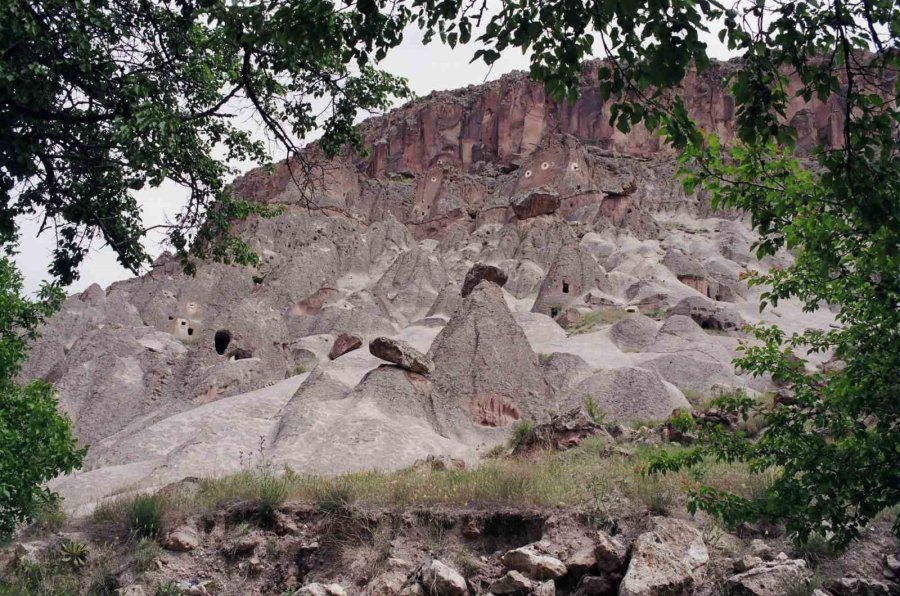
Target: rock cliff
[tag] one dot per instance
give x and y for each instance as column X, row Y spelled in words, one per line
column 167, row 376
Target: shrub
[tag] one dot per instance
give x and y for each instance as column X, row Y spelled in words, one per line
column 146, row 551
column 73, row 553
column 520, row 433
column 135, row 517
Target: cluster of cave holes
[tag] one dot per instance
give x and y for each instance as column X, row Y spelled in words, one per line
column 221, row 340
column 190, row 330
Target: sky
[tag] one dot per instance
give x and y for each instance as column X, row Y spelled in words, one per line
column 428, row 67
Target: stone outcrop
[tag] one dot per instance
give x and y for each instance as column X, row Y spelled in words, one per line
column 666, row 561
column 768, row 579
column 486, row 374
column 630, row 394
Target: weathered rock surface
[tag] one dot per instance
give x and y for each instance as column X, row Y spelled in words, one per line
column 532, row 562
column 630, row 394
column 344, row 343
column 486, row 374
column 481, row 272
column 768, row 579
column 402, row 354
column 665, row 561
column 440, row 579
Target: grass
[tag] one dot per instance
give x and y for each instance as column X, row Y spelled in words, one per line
column 588, row 476
column 135, row 517
column 578, row 477
column 595, row 318
column 145, row 554
column 594, row 412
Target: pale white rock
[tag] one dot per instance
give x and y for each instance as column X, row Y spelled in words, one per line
column 774, row 578
column 529, row 560
column 439, row 579
column 665, row 561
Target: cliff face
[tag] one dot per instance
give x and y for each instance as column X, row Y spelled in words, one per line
column 167, row 376
column 459, row 157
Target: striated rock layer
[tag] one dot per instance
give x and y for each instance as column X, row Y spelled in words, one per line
column 167, row 376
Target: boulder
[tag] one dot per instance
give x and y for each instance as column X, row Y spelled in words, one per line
column 701, row 376
column 773, row 578
column 529, row 560
column 402, row 354
column 344, row 343
column 480, row 272
column 634, row 333
column 534, row 203
column 857, row 586
column 562, row 432
column 182, row 540
column 708, row 314
column 610, row 554
column 440, row 579
column 629, row 394
column 665, row 561
column 512, row 583
column 563, row 370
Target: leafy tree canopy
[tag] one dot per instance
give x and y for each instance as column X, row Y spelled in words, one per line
column 36, row 442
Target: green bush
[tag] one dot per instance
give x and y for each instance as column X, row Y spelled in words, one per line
column 520, row 433
column 36, row 442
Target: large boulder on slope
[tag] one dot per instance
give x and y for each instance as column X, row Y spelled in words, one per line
column 486, row 374
column 564, row 371
column 480, row 272
column 772, row 578
column 630, row 394
column 698, row 375
column 633, row 333
column 402, row 354
column 536, row 202
column 345, row 342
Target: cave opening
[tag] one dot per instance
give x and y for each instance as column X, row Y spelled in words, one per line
column 190, row 331
column 554, row 312
column 221, row 340
column 565, row 287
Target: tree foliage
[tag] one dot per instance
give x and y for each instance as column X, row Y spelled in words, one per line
column 36, row 442
column 101, row 98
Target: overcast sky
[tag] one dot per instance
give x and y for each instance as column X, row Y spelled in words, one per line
column 427, row 67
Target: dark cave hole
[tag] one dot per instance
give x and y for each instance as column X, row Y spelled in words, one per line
column 221, row 340
column 190, row 331
column 565, row 287
column 554, row 312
